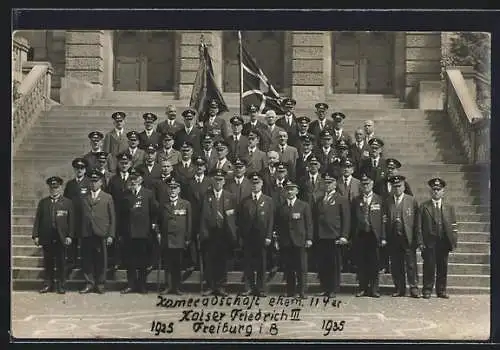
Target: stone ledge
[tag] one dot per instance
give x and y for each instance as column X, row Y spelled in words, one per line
column 307, row 65
column 413, row 79
column 417, row 66
column 423, row 40
column 306, row 96
column 304, row 52
column 85, row 63
column 90, row 76
column 84, row 37
column 307, row 78
column 189, row 64
column 423, row 54
column 84, row 50
column 307, row 39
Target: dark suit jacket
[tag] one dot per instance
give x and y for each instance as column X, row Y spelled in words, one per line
column 194, row 137
column 173, row 156
column 176, row 223
column 302, row 165
column 256, row 221
column 98, row 216
column 107, row 178
column 117, row 188
column 257, row 162
column 295, row 225
column 211, row 159
column 91, row 159
column 290, row 157
column 150, row 177
column 140, row 213
column 75, row 191
column 380, row 188
column 357, row 155
column 270, row 139
column 227, row 167
column 343, row 136
column 184, row 175
column 239, row 191
column 195, row 193
column 268, row 180
column 332, row 218
column 114, row 144
column 410, row 220
column 42, row 227
column 259, row 126
column 377, row 173
column 315, row 129
column 292, row 130
column 427, row 220
column 237, row 149
column 161, row 188
column 308, row 192
column 164, row 127
column 353, row 189
column 154, row 139
column 325, row 159
column 218, row 128
column 377, row 217
column 298, row 142
column 138, row 157
column 208, row 227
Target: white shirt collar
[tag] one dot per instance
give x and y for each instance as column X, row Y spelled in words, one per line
column 253, row 123
column 239, row 180
column 256, row 195
column 398, row 199
column 188, row 130
column 149, row 132
column 132, row 151
column 96, row 193
column 313, row 176
column 188, row 163
column 438, row 202
column 217, row 194
column 199, row 178
column 252, row 149
column 288, row 201
column 236, row 137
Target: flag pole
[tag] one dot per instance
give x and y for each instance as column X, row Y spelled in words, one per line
column 241, row 72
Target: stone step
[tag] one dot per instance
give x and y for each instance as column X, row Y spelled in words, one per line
column 482, row 237
column 235, row 277
column 484, row 226
column 24, row 262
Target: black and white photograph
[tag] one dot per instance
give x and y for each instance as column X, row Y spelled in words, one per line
column 250, row 185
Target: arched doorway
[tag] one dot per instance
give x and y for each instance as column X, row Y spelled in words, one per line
column 363, row 62
column 144, row 60
column 267, row 48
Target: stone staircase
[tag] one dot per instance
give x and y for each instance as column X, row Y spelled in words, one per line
column 423, row 141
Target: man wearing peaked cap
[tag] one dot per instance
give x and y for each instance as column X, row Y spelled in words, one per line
column 255, row 124
column 384, row 187
column 368, row 235
column 375, row 164
column 438, row 224
column 338, row 128
column 208, row 151
column 333, row 216
column 150, row 168
column 289, row 121
column 223, row 163
column 53, row 229
column 294, row 226
column 214, row 124
column 190, row 132
column 139, row 213
column 303, row 123
column 305, row 153
column 218, row 231
column 256, row 218
column 403, row 236
column 103, row 166
column 149, row 135
column 96, row 146
column 75, row 189
column 170, row 124
column 185, row 169
column 326, row 153
column 115, row 140
column 287, row 153
column 348, row 185
column 311, row 185
column 98, row 232
column 256, row 158
column 134, row 150
column 239, row 185
column 167, row 150
column 237, row 143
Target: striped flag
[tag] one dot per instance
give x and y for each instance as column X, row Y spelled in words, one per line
column 256, row 87
column 205, row 88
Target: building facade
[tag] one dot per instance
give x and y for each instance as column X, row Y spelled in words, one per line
column 304, row 64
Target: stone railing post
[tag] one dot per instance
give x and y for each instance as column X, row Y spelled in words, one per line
column 20, row 48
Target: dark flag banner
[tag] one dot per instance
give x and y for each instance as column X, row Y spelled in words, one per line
column 205, row 88
column 257, row 89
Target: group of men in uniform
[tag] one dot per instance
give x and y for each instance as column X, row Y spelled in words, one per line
column 286, row 194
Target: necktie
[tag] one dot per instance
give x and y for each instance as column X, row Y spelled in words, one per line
column 207, row 155
column 185, row 166
column 313, row 181
column 321, row 125
column 374, row 163
column 219, row 164
column 255, row 197
column 251, row 153
column 345, row 182
column 290, row 204
column 282, row 149
column 123, row 177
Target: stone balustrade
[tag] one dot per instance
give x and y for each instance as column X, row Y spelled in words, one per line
column 34, row 99
column 20, row 48
column 469, row 124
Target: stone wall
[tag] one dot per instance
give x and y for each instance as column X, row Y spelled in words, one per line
column 422, row 61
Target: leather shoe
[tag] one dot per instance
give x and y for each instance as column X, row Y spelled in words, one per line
column 301, row 296
column 143, row 290
column 220, row 292
column 127, row 290
column 414, row 293
column 86, row 290
column 46, row 289
column 332, row 295
column 398, row 294
column 375, row 295
column 100, row 290
column 208, row 292
column 246, row 293
column 61, row 290
column 259, row 294
column 426, row 295
column 361, row 294
column 443, row 296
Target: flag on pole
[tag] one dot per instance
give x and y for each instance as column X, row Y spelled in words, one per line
column 256, row 88
column 205, row 88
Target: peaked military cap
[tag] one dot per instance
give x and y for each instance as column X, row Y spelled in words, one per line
column 376, row 142
column 218, row 173
column 252, row 108
column 303, row 120
column 95, row 135
column 118, row 116
column 133, row 135
column 189, row 113
column 289, row 102
column 95, row 175
column 338, row 116
column 321, row 105
column 124, row 156
column 236, row 120
column 149, row 117
column 392, row 163
column 54, row 181
column 437, row 183
column 397, row 179
column 79, row 163
column 151, row 148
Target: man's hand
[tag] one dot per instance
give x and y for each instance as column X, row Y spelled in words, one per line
column 267, row 241
column 109, row 241
column 383, row 243
column 308, row 243
column 37, row 241
column 343, row 240
column 67, row 241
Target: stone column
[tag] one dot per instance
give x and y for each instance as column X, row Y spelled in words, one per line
column 189, row 59
column 84, row 71
column 308, row 84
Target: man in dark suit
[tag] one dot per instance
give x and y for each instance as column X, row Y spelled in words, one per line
column 117, row 188
column 184, row 170
column 149, row 136
column 255, row 124
column 176, row 231
column 338, row 128
column 359, row 150
column 215, row 125
column 256, row 224
column 305, row 154
column 151, row 170
column 98, row 232
column 403, row 237
column 438, row 226
column 74, row 190
column 269, row 172
column 303, row 123
column 102, row 166
column 218, row 231
column 384, row 187
column 341, row 154
column 326, row 153
column 240, row 186
column 208, row 152
column 189, row 132
column 317, row 126
column 95, row 138
column 270, row 135
column 331, row 231
column 237, row 143
column 295, row 232
column 368, row 235
column 223, row 163
column 53, row 229
column 168, row 151
column 115, row 141
column 170, row 124
column 288, row 121
column 374, row 166
column 256, row 159
column 140, row 209
column 134, row 150
column 369, row 129
column 288, row 154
